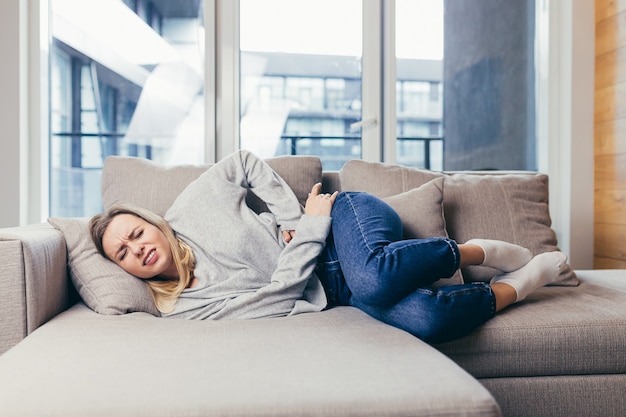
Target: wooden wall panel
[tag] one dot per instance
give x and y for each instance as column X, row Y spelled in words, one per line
column 605, row 240
column 610, row 206
column 607, row 263
column 610, row 172
column 610, row 135
column 608, row 8
column 611, row 33
column 610, row 103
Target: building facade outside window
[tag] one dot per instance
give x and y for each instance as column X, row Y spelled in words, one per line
column 136, row 87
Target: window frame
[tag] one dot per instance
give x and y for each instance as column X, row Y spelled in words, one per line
column 565, row 133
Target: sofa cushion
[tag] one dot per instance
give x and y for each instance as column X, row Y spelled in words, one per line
column 104, row 286
column 147, row 184
column 421, row 212
column 382, row 180
column 513, row 207
column 555, row 331
column 335, row 363
column 492, row 205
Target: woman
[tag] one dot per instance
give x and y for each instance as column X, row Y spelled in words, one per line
column 211, row 256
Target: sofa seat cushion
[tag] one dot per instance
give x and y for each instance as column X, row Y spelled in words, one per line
column 334, row 363
column 555, row 331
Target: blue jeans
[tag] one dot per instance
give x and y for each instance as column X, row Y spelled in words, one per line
column 366, row 264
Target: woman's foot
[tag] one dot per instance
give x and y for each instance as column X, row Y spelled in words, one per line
column 542, row 270
column 503, row 256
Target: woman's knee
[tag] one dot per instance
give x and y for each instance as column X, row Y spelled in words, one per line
column 374, row 287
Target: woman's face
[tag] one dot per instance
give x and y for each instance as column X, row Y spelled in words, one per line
column 140, row 248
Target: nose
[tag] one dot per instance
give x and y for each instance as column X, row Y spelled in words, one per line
column 136, row 248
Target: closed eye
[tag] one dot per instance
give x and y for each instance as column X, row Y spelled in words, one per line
column 134, row 235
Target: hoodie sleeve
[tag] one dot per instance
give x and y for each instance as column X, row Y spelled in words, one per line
column 289, row 282
column 247, row 170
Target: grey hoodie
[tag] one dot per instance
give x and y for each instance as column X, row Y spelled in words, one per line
column 244, row 267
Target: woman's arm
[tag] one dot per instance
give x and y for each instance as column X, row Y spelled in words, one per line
column 247, row 170
column 290, row 288
column 286, row 289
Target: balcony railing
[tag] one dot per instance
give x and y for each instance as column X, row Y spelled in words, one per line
column 80, row 150
column 77, row 160
column 336, row 150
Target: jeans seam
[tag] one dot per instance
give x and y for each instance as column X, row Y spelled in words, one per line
column 473, row 288
column 457, row 261
column 354, row 212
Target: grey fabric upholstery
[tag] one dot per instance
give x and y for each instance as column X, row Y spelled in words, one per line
column 335, row 363
column 102, row 285
column 559, row 353
column 155, row 187
column 12, row 315
column 509, row 206
column 33, row 280
column 567, row 395
column 556, row 331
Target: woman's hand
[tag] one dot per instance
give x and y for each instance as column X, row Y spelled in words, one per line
column 316, row 205
column 319, row 204
column 288, row 235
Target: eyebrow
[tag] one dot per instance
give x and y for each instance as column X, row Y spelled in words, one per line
column 129, row 237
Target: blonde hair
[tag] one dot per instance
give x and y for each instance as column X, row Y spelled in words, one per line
column 165, row 292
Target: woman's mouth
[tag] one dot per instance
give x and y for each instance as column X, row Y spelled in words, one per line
column 150, row 258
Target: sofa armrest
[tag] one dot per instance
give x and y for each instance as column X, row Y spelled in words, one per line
column 33, row 280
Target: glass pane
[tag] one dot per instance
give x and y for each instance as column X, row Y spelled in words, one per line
column 419, row 89
column 126, row 79
column 476, row 89
column 301, row 78
column 489, row 85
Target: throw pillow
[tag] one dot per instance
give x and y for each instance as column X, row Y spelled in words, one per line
column 104, row 286
column 421, row 212
column 382, row 180
column 512, row 207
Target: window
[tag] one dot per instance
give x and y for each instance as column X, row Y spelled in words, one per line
column 300, row 78
column 126, row 79
column 419, row 46
column 311, row 78
column 463, row 83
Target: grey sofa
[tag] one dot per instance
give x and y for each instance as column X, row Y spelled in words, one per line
column 78, row 338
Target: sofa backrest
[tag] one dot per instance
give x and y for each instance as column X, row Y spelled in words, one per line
column 511, row 206
column 147, row 184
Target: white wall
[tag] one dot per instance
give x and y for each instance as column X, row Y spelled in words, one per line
column 23, row 125
column 568, row 151
column 12, row 113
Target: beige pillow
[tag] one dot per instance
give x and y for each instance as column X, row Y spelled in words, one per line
column 509, row 207
column 382, row 180
column 104, row 286
column 421, row 212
